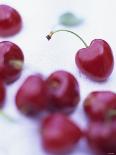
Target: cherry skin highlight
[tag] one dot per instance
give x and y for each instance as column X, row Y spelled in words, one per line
column 31, row 98
column 96, row 61
column 2, row 93
column 64, row 93
column 10, row 21
column 11, row 61
column 101, row 106
column 102, row 137
column 59, row 133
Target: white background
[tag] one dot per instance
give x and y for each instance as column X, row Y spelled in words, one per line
column 39, row 17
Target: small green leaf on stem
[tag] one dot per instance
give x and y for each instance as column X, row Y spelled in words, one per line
column 69, row 19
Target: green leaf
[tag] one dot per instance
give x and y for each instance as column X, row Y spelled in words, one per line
column 69, row 19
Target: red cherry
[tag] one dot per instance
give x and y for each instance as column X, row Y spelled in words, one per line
column 96, row 61
column 64, row 93
column 59, row 133
column 2, row 93
column 102, row 137
column 11, row 61
column 10, row 21
column 100, row 105
column 31, row 97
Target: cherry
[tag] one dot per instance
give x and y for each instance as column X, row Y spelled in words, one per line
column 2, row 93
column 95, row 61
column 102, row 137
column 11, row 61
column 64, row 93
column 10, row 21
column 31, row 97
column 59, row 133
column 101, row 105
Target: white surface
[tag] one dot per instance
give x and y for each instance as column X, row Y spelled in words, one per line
column 39, row 16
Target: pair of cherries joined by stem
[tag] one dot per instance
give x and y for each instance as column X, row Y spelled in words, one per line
column 95, row 61
column 100, row 107
column 59, row 92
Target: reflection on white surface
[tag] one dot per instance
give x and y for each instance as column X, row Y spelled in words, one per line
column 39, row 17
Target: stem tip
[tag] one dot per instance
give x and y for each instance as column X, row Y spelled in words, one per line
column 49, row 36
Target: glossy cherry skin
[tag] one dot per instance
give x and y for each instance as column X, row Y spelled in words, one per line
column 64, row 93
column 2, row 93
column 59, row 133
column 31, row 98
column 99, row 105
column 96, row 61
column 9, row 53
column 10, row 21
column 102, row 137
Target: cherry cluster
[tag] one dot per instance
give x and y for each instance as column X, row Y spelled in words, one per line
column 59, row 94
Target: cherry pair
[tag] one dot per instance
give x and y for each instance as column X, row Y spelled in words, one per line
column 95, row 61
column 100, row 107
column 59, row 92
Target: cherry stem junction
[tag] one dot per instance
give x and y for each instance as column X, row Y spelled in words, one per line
column 49, row 36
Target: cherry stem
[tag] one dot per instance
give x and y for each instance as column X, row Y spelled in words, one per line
column 7, row 117
column 17, row 64
column 49, row 36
